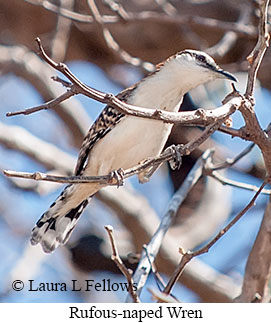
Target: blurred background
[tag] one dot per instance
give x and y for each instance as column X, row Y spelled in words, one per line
column 138, row 35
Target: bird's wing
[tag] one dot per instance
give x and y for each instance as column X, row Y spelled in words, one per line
column 106, row 121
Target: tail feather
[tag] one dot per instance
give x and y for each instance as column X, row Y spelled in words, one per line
column 55, row 226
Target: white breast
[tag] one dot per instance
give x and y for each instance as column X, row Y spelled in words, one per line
column 132, row 141
column 135, row 139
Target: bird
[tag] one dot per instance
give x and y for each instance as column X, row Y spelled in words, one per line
column 119, row 141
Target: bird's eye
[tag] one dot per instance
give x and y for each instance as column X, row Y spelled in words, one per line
column 201, row 58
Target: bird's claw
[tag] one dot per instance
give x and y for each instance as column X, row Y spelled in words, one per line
column 118, row 176
column 176, row 162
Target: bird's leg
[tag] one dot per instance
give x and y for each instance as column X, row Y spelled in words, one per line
column 118, row 176
column 176, row 162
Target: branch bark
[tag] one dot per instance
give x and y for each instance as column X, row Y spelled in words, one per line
column 188, row 256
column 258, row 267
column 116, row 258
column 199, row 117
column 25, row 64
column 144, row 266
column 150, row 16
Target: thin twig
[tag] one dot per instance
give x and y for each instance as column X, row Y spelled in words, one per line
column 252, row 126
column 112, row 179
column 47, row 154
column 150, row 16
column 60, row 40
column 144, row 267
column 49, row 105
column 162, row 297
column 233, row 132
column 188, row 256
column 38, row 176
column 126, row 272
column 230, row 182
column 256, row 283
column 256, row 56
column 117, row 8
column 27, row 64
column 231, row 161
column 113, row 45
column 159, row 279
column 199, row 117
column 227, row 42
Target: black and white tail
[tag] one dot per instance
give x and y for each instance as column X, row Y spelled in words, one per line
column 57, row 224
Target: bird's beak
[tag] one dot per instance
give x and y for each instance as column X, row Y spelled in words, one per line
column 227, row 75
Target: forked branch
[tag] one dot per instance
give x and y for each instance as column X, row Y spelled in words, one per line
column 126, row 272
column 199, row 117
column 188, row 256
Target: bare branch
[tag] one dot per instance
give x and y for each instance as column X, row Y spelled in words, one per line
column 38, row 176
column 198, row 117
column 187, row 256
column 136, row 214
column 230, row 182
column 241, row 29
column 47, row 154
column 144, row 267
column 229, row 39
column 233, row 132
column 211, row 170
column 63, row 27
column 112, row 179
column 258, row 268
column 113, row 45
column 26, row 64
column 126, row 272
column 159, row 279
column 161, row 297
column 212, row 123
column 231, row 161
column 252, row 125
column 49, row 105
column 117, row 8
column 256, row 56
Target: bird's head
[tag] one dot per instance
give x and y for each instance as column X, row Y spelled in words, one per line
column 199, row 67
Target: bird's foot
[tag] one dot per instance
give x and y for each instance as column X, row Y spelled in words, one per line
column 176, row 162
column 118, row 176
